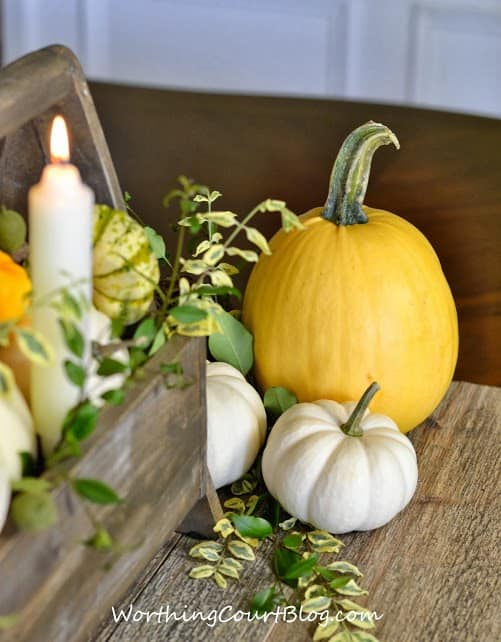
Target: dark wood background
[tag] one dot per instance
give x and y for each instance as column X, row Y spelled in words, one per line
column 446, row 179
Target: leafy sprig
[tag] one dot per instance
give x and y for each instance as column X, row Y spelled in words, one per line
column 305, row 576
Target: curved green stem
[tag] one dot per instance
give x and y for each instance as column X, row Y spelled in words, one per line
column 352, row 426
column 350, row 173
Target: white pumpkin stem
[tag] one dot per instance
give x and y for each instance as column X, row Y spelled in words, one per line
column 352, row 426
column 350, row 173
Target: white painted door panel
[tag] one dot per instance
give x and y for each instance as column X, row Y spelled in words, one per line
column 443, row 53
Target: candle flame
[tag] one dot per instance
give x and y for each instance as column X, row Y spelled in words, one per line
column 59, row 145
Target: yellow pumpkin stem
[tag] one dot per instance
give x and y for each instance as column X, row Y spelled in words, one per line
column 352, row 426
column 350, row 173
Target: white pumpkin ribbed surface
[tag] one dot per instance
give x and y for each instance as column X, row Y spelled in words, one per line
column 337, row 482
column 4, row 497
column 236, row 423
column 17, row 433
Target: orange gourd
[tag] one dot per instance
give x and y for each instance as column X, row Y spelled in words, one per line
column 15, row 287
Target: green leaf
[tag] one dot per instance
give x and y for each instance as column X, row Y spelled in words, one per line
column 209, row 553
column 277, row 400
column 146, row 332
column 233, row 344
column 33, row 345
column 31, row 485
column 101, row 540
column 255, row 236
column 220, row 580
column 187, row 314
column 344, row 567
column 229, row 570
column 284, row 559
column 362, row 636
column 263, row 601
column 244, row 486
column 207, row 546
column 348, row 588
column 117, row 328
column 250, row 526
column 362, row 619
column 34, row 511
column 334, row 582
column 247, row 255
column 72, row 338
column 158, row 342
column 127, row 197
column 288, row 523
column 194, row 266
column 316, row 604
column 292, row 541
column 75, row 373
column 252, row 503
column 202, row 572
column 236, row 504
column 212, row 290
column 290, row 220
column 358, row 615
column 69, row 306
column 233, row 563
column 342, row 636
column 214, row 254
column 6, row 379
column 224, row 527
column 81, row 421
column 301, row 568
column 95, row 491
column 28, row 464
column 156, row 242
column 113, row 397
column 241, row 550
column 325, row 629
column 224, row 219
column 8, row 621
column 109, row 367
column 219, row 278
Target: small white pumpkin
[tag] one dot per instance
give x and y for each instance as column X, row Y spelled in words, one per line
column 17, row 433
column 4, row 496
column 100, row 331
column 236, row 423
column 338, row 467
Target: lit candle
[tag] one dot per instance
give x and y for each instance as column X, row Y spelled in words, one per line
column 60, row 218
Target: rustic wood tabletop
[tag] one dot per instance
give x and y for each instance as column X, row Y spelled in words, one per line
column 433, row 573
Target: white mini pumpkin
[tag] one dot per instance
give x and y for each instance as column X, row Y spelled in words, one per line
column 17, row 433
column 4, row 496
column 336, row 481
column 236, row 423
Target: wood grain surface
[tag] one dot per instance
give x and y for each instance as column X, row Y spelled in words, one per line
column 151, row 450
column 445, row 179
column 433, row 572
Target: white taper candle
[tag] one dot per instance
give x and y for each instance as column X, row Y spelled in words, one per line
column 60, row 227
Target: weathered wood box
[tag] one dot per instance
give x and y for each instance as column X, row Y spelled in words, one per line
column 151, row 449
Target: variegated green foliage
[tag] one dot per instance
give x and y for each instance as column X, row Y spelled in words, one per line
column 305, row 575
column 192, row 302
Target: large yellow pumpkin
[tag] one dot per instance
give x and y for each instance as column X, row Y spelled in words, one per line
column 357, row 296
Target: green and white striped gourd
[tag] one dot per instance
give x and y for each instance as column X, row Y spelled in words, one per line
column 125, row 268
